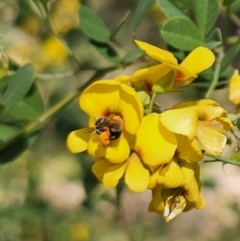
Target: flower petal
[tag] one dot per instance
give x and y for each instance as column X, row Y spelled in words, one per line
column 170, row 176
column 106, row 97
column 77, row 141
column 136, row 176
column 117, row 151
column 131, row 109
column 99, row 168
column 156, row 53
column 113, row 174
column 155, row 144
column 181, row 121
column 212, row 141
column 234, row 88
column 198, row 60
column 188, row 149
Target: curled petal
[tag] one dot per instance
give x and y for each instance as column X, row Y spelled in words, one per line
column 181, row 121
column 77, row 141
column 136, row 176
column 170, row 176
column 192, row 185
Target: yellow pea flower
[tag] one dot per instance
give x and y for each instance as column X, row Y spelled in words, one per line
column 115, row 111
column 152, row 146
column 234, row 88
column 172, row 201
column 197, row 61
column 204, row 120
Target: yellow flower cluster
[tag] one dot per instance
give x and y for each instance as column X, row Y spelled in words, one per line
column 158, row 151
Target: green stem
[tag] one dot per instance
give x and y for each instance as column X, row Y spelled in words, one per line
column 215, row 75
column 154, row 95
column 221, row 159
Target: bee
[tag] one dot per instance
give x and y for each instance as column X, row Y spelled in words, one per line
column 112, row 127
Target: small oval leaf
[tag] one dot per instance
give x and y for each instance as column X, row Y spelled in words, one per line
column 142, row 10
column 17, row 87
column 170, row 9
column 182, row 34
column 230, row 55
column 206, row 12
column 93, row 26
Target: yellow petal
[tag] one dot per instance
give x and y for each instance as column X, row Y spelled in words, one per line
column 198, row 60
column 234, row 88
column 106, row 97
column 170, row 176
column 136, row 176
column 201, row 102
column 131, row 109
column 117, row 151
column 188, row 149
column 154, row 143
column 77, row 141
column 113, row 174
column 192, row 186
column 123, row 78
column 93, row 103
column 99, row 168
column 152, row 74
column 181, row 121
column 212, row 141
column 157, row 204
column 156, row 53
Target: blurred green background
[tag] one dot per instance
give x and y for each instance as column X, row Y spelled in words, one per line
column 49, row 194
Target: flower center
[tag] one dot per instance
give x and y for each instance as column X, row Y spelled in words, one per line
column 109, row 128
column 175, row 204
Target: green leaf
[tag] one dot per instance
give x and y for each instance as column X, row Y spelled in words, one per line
column 132, row 55
column 235, row 7
column 106, row 51
column 230, row 54
column 30, row 108
column 228, row 3
column 7, row 132
column 93, row 26
column 142, row 10
column 18, row 86
column 206, row 12
column 170, row 9
column 182, row 34
column 119, row 26
column 214, row 39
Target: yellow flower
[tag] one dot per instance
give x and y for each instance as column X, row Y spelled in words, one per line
column 198, row 60
column 172, row 201
column 234, row 88
column 152, row 146
column 204, row 119
column 115, row 112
